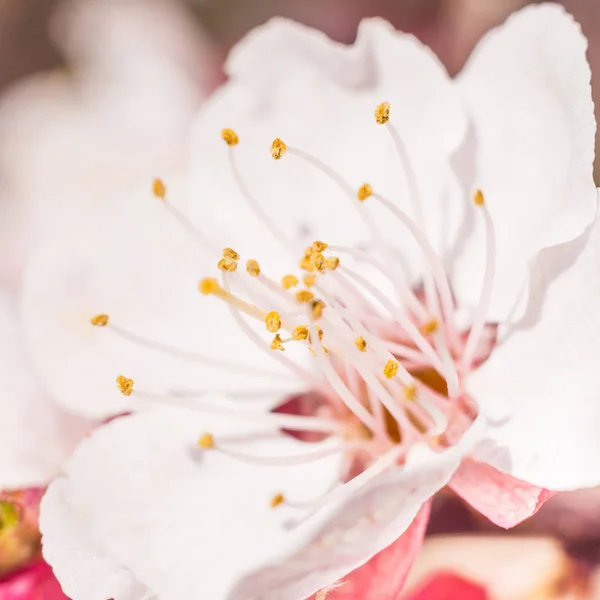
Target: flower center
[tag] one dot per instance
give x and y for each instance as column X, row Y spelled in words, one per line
column 388, row 374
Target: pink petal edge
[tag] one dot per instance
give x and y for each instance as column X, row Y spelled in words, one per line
column 35, row 583
column 504, row 500
column 383, row 576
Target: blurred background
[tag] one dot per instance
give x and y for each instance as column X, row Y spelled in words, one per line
column 76, row 103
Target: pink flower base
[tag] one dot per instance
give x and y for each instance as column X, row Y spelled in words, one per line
column 35, row 583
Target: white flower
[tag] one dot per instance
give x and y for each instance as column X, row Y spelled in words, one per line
column 491, row 361
column 72, row 141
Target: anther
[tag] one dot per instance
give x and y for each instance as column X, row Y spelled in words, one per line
column 410, row 392
column 364, row 191
column 382, row 113
column 206, row 441
column 227, row 264
column 318, row 261
column 317, row 307
column 391, row 368
column 253, row 268
column 209, row 285
column 319, row 246
column 309, row 279
column 277, row 343
column 10, row 515
column 289, row 281
column 430, row 327
column 307, row 264
column 478, row 198
column 125, row 385
column 332, row 263
column 273, row 321
column 361, row 344
column 159, row 189
column 278, row 149
column 304, row 295
column 300, row 333
column 230, row 253
column 230, row 137
column 276, row 500
column 99, row 320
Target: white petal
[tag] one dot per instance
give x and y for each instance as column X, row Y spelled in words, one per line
column 143, row 272
column 540, row 387
column 36, row 435
column 189, row 524
column 319, row 97
column 527, row 88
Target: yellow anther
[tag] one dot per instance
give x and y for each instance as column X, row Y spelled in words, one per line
column 289, row 281
column 410, row 392
column 318, row 261
column 361, row 344
column 278, row 149
column 125, row 385
column 209, row 285
column 364, row 191
column 273, row 321
column 230, row 253
column 276, row 500
column 206, row 441
column 317, row 309
column 319, row 332
column 159, row 189
column 382, row 113
column 308, row 279
column 230, row 137
column 99, row 320
column 277, row 343
column 391, row 368
column 323, row 348
column 332, row 263
column 304, row 295
column 300, row 333
column 478, row 198
column 429, row 327
column 253, row 268
column 307, row 265
column 319, row 246
column 227, row 264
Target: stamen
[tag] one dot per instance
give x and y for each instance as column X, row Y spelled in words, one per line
column 304, row 296
column 273, row 321
column 206, row 441
column 99, row 320
column 317, row 307
column 251, row 200
column 227, row 264
column 276, row 500
column 230, row 137
column 278, row 149
column 300, row 333
column 277, row 343
column 125, row 385
column 289, row 281
column 364, row 191
column 308, row 279
column 382, row 113
column 391, row 368
column 223, row 408
column 360, row 343
column 430, row 327
column 479, row 318
column 159, row 189
column 332, row 263
column 253, row 268
column 230, row 253
column 338, row 384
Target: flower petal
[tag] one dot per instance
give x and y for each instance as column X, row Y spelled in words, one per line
column 448, row 586
column 319, row 97
column 148, row 290
column 139, row 493
column 504, row 500
column 35, row 583
column 539, row 388
column 383, row 576
column 36, row 434
column 527, row 89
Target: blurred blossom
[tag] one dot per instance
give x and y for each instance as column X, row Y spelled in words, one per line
column 72, row 140
column 497, row 568
column 406, row 399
